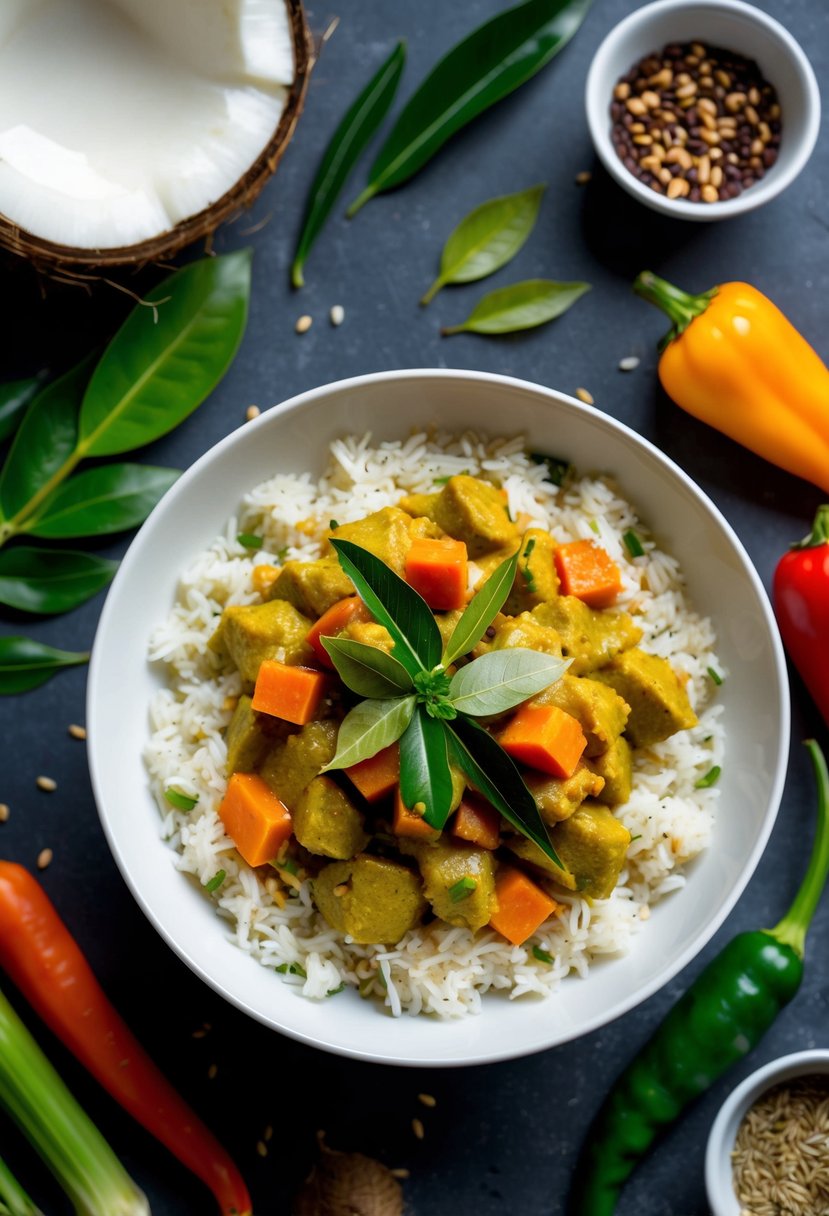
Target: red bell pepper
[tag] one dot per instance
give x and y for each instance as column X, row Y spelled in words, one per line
column 801, row 603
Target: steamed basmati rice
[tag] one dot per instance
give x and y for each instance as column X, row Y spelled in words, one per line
column 435, row 969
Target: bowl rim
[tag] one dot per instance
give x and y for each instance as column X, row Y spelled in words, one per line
column 771, row 184
column 724, row 1129
column 348, row 384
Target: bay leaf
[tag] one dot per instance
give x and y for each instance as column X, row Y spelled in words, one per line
column 26, row 664
column 50, row 580
column 520, row 306
column 98, row 501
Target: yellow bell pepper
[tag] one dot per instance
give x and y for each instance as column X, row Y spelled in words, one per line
column 734, row 361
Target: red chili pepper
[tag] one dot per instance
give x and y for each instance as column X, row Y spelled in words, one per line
column 45, row 962
column 801, row 602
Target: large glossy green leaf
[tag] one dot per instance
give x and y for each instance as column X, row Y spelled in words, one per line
column 481, row 610
column 519, row 306
column 495, row 775
column 393, row 603
column 488, row 238
column 45, row 439
column 25, row 664
column 50, row 580
column 501, row 679
column 14, row 397
column 425, row 778
column 369, row 727
column 367, row 670
column 109, row 498
column 351, row 136
column 167, row 356
column 487, row 65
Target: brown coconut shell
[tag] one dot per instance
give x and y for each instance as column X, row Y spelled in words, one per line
column 80, row 265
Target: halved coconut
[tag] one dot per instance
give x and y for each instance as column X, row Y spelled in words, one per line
column 129, row 128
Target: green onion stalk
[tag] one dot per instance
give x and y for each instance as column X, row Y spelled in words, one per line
column 32, row 1093
column 13, row 1199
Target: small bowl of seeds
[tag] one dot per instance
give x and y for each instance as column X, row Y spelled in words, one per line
column 768, row 1148
column 702, row 109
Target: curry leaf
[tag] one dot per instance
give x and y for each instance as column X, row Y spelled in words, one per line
column 495, row 775
column 347, row 142
column 491, row 62
column 481, row 610
column 519, row 306
column 45, row 440
column 425, row 777
column 50, row 580
column 488, row 238
column 367, row 670
column 394, row 604
column 369, row 727
column 14, row 397
column 503, row 678
column 110, row 498
column 26, row 664
column 167, row 356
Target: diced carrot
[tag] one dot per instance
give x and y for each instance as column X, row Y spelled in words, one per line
column 588, row 572
column 522, row 905
column 546, row 738
column 334, row 621
column 264, row 576
column 478, row 822
column 254, row 818
column 409, row 823
column 377, row 776
column 437, row 569
column 292, row 693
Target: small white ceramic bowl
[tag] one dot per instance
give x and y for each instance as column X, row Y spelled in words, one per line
column 718, row 1173
column 725, row 23
column 295, row 436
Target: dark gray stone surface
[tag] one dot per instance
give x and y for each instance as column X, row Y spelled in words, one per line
column 504, row 1138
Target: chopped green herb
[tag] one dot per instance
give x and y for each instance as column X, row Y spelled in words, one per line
column 333, row 524
column 287, row 864
column 542, row 955
column 529, row 548
column 594, row 527
column 334, row 991
column 292, row 969
column 182, row 802
column 557, row 469
column 633, row 544
column 710, row 778
column 216, row 881
column 637, row 837
column 715, row 675
column 282, row 553
column 249, row 540
column 462, row 889
column 526, row 573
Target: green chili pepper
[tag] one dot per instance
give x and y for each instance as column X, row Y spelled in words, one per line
column 721, row 1017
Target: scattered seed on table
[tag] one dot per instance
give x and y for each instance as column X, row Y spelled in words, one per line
column 337, row 314
column 44, row 858
column 261, row 1148
column 628, row 364
column 401, row 1173
column 4, row 812
column 427, row 1099
column 584, row 177
column 253, row 411
column 47, row 784
column 418, row 1129
column 304, row 323
column 584, row 396
column 77, row 732
column 212, row 1072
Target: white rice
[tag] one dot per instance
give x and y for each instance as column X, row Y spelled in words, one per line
column 435, row 969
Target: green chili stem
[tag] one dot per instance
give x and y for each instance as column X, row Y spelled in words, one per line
column 13, row 1199
column 680, row 306
column 819, row 534
column 792, row 929
column 75, row 1151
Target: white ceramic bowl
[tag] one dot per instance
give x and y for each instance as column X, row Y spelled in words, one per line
column 294, row 436
column 718, row 1173
column 737, row 27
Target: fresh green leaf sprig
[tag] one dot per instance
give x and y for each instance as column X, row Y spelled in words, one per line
column 411, row 697
column 519, row 306
column 167, row 356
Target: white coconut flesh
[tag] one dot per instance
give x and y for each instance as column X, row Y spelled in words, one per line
column 120, row 118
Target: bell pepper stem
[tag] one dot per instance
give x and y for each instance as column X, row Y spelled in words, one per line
column 792, row 929
column 680, row 307
column 819, row 534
